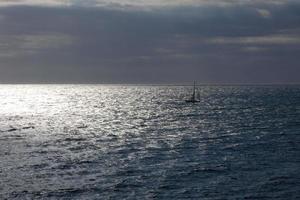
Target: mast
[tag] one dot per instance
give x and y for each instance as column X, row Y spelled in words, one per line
column 194, row 91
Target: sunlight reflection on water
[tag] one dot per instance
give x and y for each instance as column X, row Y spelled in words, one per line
column 118, row 142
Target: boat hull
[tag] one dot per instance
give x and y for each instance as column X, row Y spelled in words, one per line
column 192, row 101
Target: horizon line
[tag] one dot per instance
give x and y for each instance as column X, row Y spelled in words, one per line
column 161, row 84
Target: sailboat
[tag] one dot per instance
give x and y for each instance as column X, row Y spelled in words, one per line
column 193, row 97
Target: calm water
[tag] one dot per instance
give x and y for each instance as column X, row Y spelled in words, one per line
column 136, row 142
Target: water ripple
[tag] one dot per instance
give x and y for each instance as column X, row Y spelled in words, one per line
column 142, row 142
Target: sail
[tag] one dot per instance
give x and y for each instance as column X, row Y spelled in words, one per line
column 193, row 98
column 194, row 91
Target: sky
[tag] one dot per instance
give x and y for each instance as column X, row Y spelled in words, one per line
column 150, row 41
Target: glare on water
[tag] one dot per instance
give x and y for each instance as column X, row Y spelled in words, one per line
column 145, row 142
column 29, row 99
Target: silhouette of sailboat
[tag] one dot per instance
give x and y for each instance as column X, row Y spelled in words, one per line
column 193, row 97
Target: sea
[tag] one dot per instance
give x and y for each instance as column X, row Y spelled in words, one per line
column 145, row 142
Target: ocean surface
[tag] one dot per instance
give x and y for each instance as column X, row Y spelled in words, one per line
column 145, row 142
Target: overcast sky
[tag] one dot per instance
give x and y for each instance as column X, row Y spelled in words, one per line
column 150, row 41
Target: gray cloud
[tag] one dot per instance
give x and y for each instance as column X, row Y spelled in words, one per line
column 264, row 13
column 141, row 3
column 213, row 44
column 262, row 40
column 16, row 45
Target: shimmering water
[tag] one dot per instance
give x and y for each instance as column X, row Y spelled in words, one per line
column 145, row 142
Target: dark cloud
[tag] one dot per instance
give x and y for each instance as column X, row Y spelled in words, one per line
column 212, row 44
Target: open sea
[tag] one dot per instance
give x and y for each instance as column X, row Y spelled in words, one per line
column 144, row 142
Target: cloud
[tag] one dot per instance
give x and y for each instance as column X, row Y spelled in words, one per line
column 35, row 2
column 261, row 40
column 255, row 49
column 205, row 43
column 142, row 3
column 16, row 45
column 45, row 41
column 264, row 13
column 2, row 17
